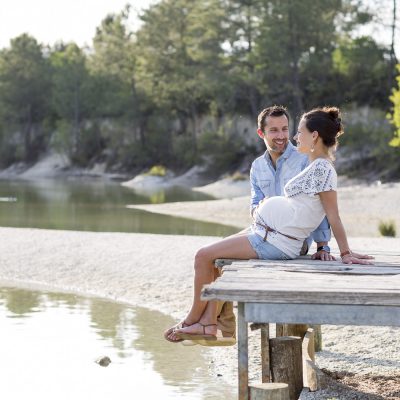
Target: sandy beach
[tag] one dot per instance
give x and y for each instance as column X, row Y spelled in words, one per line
column 155, row 271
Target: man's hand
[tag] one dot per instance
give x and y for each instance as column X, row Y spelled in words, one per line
column 323, row 256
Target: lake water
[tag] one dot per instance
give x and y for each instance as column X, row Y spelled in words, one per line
column 95, row 205
column 49, row 343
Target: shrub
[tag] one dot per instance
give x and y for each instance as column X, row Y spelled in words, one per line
column 157, row 170
column 238, row 176
column 387, row 228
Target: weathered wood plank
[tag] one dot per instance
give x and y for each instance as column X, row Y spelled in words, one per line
column 281, row 279
column 255, row 283
column 262, row 292
column 324, row 314
column 337, row 268
column 277, row 274
column 307, row 263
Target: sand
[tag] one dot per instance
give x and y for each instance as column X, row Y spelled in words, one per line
column 155, row 271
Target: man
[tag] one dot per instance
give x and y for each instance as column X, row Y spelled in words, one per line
column 281, row 162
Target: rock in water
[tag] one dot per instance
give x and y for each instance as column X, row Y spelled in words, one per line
column 104, row 361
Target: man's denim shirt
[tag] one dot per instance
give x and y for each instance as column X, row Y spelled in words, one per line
column 268, row 182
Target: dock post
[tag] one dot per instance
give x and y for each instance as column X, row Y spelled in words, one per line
column 265, row 367
column 243, row 356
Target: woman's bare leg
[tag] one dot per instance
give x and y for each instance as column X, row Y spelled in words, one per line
column 231, row 247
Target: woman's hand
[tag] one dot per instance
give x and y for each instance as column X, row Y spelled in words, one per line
column 356, row 258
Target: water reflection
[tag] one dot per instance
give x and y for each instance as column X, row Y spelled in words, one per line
column 96, row 206
column 49, row 341
column 20, row 303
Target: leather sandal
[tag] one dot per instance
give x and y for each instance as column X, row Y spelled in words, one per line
column 197, row 336
column 180, row 325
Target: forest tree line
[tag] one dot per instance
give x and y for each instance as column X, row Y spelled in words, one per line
column 140, row 97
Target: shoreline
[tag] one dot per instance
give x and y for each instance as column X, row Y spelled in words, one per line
column 126, row 267
column 362, row 208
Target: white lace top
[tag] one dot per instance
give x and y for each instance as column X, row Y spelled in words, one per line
column 300, row 211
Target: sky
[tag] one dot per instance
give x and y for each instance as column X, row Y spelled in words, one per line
column 49, row 21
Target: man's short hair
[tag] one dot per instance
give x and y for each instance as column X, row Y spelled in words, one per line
column 273, row 111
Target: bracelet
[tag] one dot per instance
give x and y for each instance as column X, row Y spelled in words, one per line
column 345, row 253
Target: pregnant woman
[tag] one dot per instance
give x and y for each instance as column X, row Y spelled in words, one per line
column 281, row 223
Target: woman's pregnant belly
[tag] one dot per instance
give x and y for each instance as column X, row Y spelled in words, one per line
column 276, row 212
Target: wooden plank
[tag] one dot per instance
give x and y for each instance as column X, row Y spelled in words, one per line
column 324, row 314
column 390, row 262
column 381, row 273
column 282, row 279
column 268, row 295
column 276, row 273
column 288, row 284
column 243, row 357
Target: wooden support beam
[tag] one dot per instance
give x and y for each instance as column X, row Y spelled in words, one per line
column 286, row 363
column 317, row 337
column 243, row 356
column 291, row 330
column 265, row 367
column 310, row 379
column 269, row 391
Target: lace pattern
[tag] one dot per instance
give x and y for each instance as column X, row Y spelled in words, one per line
column 319, row 176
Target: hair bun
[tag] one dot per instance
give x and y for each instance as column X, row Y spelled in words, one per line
column 333, row 112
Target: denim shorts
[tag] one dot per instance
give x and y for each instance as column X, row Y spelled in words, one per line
column 265, row 250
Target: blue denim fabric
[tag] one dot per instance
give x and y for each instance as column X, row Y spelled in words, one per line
column 265, row 250
column 267, row 182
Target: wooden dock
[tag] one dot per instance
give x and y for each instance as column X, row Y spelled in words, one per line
column 303, row 291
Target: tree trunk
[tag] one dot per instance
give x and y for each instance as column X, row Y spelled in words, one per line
column 393, row 59
column 298, row 106
column 28, row 136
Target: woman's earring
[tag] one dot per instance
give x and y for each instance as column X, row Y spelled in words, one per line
column 312, row 148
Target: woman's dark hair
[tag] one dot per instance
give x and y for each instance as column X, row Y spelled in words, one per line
column 273, row 111
column 327, row 122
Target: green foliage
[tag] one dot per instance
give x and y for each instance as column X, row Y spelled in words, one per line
column 394, row 117
column 366, row 142
column 140, row 98
column 238, row 176
column 362, row 70
column 366, row 128
column 24, row 92
column 186, row 155
column 220, row 150
column 157, row 170
column 387, row 228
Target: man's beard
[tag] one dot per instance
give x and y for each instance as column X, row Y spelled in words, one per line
column 278, row 149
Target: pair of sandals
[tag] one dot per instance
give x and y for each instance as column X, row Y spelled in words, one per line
column 226, row 324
